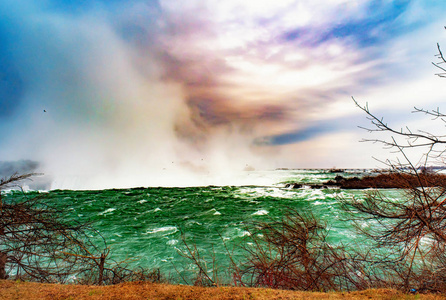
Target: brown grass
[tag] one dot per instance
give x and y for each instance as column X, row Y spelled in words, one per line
column 144, row 290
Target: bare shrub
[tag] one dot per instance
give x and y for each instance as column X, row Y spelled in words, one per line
column 206, row 271
column 412, row 229
column 38, row 244
column 293, row 253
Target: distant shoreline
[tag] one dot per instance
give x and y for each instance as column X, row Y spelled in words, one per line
column 380, row 181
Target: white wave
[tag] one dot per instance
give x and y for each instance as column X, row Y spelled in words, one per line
column 261, row 212
column 255, row 192
column 317, row 195
column 109, row 210
column 318, row 203
column 215, row 212
column 171, row 229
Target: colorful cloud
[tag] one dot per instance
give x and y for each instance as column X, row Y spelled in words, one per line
column 118, row 90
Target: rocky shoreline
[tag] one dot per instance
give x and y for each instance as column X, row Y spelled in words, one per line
column 381, row 181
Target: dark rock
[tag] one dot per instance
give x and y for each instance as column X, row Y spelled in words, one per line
column 339, row 178
column 381, row 181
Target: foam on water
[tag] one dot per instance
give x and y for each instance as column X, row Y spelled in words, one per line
column 261, row 212
column 169, row 229
column 109, row 210
column 316, row 195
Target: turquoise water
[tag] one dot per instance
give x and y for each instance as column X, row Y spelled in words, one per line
column 145, row 225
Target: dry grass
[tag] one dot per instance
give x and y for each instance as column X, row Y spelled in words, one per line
column 143, row 290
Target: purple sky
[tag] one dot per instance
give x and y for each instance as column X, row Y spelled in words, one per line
column 134, row 91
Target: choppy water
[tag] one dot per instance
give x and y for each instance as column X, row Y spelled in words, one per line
column 146, row 224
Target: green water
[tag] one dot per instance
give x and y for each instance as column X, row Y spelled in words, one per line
column 146, row 225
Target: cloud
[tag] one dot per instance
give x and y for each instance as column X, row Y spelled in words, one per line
column 103, row 107
column 100, row 107
column 132, row 89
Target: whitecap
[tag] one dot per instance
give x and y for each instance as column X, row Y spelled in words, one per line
column 245, row 233
column 316, row 195
column 142, row 201
column 256, row 192
column 163, row 229
column 217, row 213
column 107, row 211
column 172, row 242
column 193, row 222
column 261, row 212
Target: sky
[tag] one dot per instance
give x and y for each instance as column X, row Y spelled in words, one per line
column 114, row 93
